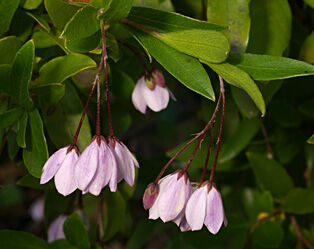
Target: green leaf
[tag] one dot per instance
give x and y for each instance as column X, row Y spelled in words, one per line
column 274, row 18
column 60, row 12
column 31, row 4
column 7, row 10
column 63, row 67
column 40, row 20
column 75, row 231
column 20, row 136
column 209, row 45
column 29, row 181
column 307, row 49
column 270, row 174
column 299, row 201
column 163, row 21
column 244, row 103
column 61, row 119
column 9, row 117
column 311, row 140
column 115, row 213
column 84, row 45
column 21, row 240
column 51, row 93
column 307, row 107
column 21, row 74
column 36, row 153
column 239, row 140
column 5, row 78
column 310, row 3
column 266, row 67
column 118, row 10
column 74, row 29
column 234, row 15
column 101, row 4
column 43, row 40
column 268, row 235
column 241, row 79
column 183, row 67
column 61, row 244
column 8, row 48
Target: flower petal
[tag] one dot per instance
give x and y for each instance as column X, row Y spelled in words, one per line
column 52, row 165
column 173, row 198
column 195, row 209
column 156, row 99
column 55, row 230
column 64, row 179
column 137, row 96
column 114, row 176
column 86, row 165
column 214, row 211
column 184, row 226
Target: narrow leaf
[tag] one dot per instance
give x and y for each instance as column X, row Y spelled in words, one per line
column 20, row 136
column 9, row 117
column 7, row 10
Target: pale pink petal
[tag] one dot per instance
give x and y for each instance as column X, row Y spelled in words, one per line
column 173, row 198
column 214, row 211
column 86, row 165
column 195, row 209
column 103, row 173
column 55, row 230
column 225, row 220
column 137, row 95
column 156, row 99
column 114, row 167
column 179, row 218
column 37, row 210
column 52, row 165
column 184, row 226
column 64, row 179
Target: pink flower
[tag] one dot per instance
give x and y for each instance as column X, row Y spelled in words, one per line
column 151, row 91
column 55, row 230
column 96, row 168
column 150, row 195
column 61, row 166
column 125, row 161
column 37, row 210
column 174, row 192
column 205, row 207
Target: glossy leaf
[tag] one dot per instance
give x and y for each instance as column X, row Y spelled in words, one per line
column 21, row 74
column 241, row 79
column 28, row 181
column 43, row 40
column 243, row 101
column 7, row 10
column 163, row 21
column 299, row 201
column 270, row 174
column 275, row 18
column 21, row 240
column 307, row 49
column 60, row 12
column 31, row 4
column 9, row 117
column 85, row 44
column 20, row 136
column 40, row 20
column 183, row 67
column 310, row 3
column 75, row 231
column 61, row 120
column 268, row 235
column 266, row 67
column 63, row 67
column 36, row 153
column 5, row 78
column 118, row 10
column 8, row 48
column 61, row 244
column 239, row 140
column 51, row 93
column 233, row 14
column 74, row 29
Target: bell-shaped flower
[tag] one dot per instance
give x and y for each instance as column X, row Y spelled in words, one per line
column 151, row 91
column 150, row 195
column 205, row 207
column 61, row 166
column 96, row 168
column 125, row 161
column 55, row 229
column 174, row 192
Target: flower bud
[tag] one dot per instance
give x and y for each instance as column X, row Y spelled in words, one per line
column 150, row 195
column 159, row 78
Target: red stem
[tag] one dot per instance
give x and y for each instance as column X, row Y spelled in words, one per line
column 222, row 94
column 104, row 55
column 268, row 146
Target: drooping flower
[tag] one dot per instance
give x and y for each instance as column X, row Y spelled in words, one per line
column 96, row 167
column 205, row 207
column 174, row 192
column 55, row 230
column 150, row 195
column 125, row 161
column 61, row 166
column 151, row 91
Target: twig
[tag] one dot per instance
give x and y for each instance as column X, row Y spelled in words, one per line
column 299, row 233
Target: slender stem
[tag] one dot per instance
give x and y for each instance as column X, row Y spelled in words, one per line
column 104, row 55
column 101, row 218
column 187, row 165
column 98, row 128
column 299, row 233
column 208, row 154
column 222, row 92
column 269, row 150
column 204, row 131
column 5, row 137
